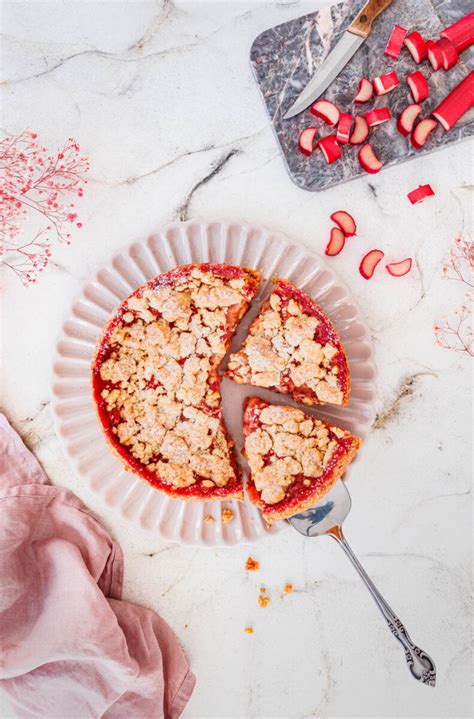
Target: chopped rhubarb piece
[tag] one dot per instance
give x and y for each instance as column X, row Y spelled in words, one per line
column 407, row 119
column 435, row 55
column 422, row 131
column 344, row 127
column 306, row 140
column 449, row 52
column 395, row 41
column 365, row 91
column 420, row 194
column 377, row 116
column 330, row 148
column 369, row 160
column 326, row 111
column 399, row 269
column 336, row 242
column 416, row 46
column 461, row 34
column 385, row 83
column 360, row 131
column 458, row 102
column 345, row 221
column 369, row 263
column 418, row 86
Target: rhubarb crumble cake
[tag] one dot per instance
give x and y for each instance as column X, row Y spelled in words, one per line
column 293, row 348
column 155, row 379
column 294, row 458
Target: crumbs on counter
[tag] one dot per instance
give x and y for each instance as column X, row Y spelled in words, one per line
column 263, row 601
column 262, row 590
column 209, row 519
column 248, row 630
column 251, row 565
column 288, row 588
column 227, row 516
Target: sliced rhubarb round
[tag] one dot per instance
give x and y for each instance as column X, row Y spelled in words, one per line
column 306, row 140
column 399, row 269
column 407, row 119
column 458, row 102
column 326, row 111
column 368, row 159
column 418, row 85
column 377, row 116
column 449, row 52
column 345, row 221
column 435, row 55
column 365, row 91
column 336, row 242
column 369, row 263
column 395, row 41
column 416, row 46
column 461, row 33
column 360, row 131
column 422, row 131
column 420, row 194
column 344, row 127
column 385, row 83
column 330, row 148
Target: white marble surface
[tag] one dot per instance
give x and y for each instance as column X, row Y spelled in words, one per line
column 161, row 97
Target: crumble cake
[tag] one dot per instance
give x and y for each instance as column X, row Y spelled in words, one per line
column 294, row 458
column 293, row 348
column 155, row 380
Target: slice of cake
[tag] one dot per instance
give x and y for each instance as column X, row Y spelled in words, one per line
column 155, row 381
column 294, row 459
column 293, row 348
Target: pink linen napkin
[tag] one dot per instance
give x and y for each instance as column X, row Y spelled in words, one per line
column 70, row 647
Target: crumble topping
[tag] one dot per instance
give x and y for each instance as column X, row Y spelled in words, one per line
column 281, row 352
column 248, row 630
column 251, row 565
column 288, row 443
column 227, row 516
column 160, row 380
column 263, row 601
column 288, row 588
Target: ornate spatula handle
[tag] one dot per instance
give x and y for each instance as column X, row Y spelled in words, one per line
column 419, row 662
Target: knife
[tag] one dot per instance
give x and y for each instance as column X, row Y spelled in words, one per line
column 339, row 56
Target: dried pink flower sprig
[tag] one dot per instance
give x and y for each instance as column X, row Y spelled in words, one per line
column 36, row 185
column 456, row 334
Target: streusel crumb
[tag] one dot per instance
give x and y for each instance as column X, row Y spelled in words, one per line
column 251, row 565
column 209, row 519
column 288, row 588
column 227, row 516
column 248, row 630
column 263, row 601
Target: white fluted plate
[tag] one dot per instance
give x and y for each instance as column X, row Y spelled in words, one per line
column 182, row 243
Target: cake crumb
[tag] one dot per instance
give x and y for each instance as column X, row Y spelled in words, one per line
column 251, row 565
column 263, row 601
column 209, row 518
column 227, row 516
column 248, row 630
column 288, row 588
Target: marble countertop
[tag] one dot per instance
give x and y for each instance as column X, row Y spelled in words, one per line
column 161, row 98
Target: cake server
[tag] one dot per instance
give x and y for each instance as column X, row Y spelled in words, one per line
column 326, row 518
column 351, row 40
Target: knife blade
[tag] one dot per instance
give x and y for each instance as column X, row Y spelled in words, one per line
column 351, row 40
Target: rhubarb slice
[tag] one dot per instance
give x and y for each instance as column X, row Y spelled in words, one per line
column 377, row 116
column 368, row 159
column 369, row 263
column 326, row 111
column 422, row 131
column 330, row 149
column 395, row 41
column 416, row 46
column 336, row 242
column 345, row 221
column 365, row 91
column 399, row 269
column 461, row 33
column 418, row 86
column 435, row 55
column 344, row 127
column 306, row 140
column 420, row 194
column 385, row 83
column 293, row 457
column 407, row 119
column 449, row 52
column 456, row 104
column 360, row 131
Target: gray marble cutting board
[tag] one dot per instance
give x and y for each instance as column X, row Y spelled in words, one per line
column 285, row 57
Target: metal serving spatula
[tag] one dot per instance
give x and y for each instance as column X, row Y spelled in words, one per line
column 327, row 518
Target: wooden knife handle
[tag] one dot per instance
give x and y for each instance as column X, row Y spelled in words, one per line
column 362, row 25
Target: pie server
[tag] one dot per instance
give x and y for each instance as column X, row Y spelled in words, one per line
column 339, row 56
column 327, row 518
